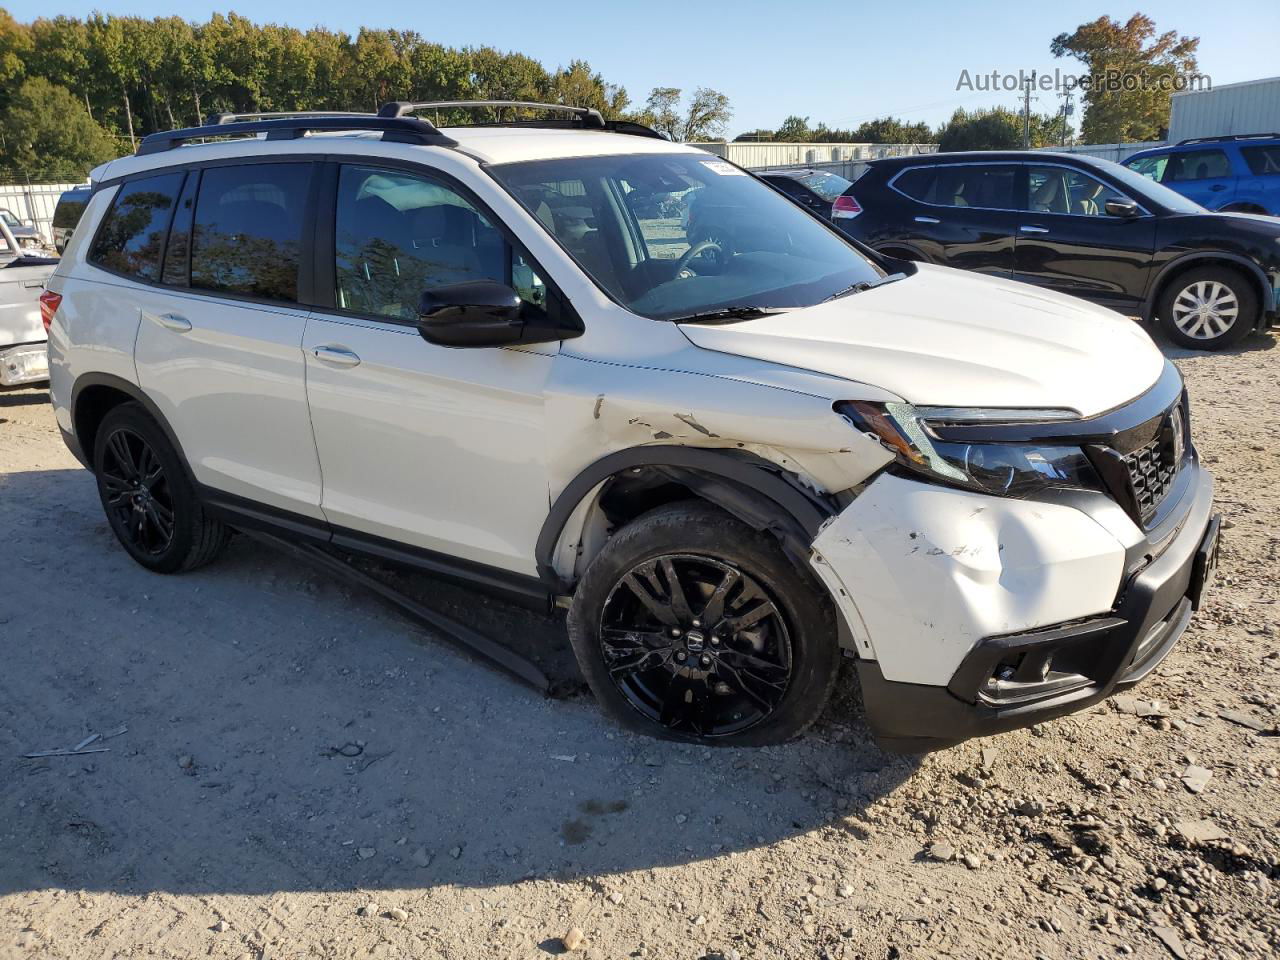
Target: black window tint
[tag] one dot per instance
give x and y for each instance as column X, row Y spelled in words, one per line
column 177, row 252
column 987, row 188
column 70, row 208
column 918, row 183
column 1197, row 165
column 398, row 234
column 1263, row 161
column 247, row 234
column 132, row 235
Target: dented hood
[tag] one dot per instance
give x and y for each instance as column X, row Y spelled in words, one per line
column 948, row 338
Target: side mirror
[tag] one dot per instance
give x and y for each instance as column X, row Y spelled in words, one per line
column 1121, row 208
column 482, row 313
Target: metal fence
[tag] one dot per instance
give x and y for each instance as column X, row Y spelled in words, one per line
column 759, row 156
column 34, row 202
column 1116, row 152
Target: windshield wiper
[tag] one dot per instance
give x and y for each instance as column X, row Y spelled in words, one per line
column 727, row 315
column 864, row 285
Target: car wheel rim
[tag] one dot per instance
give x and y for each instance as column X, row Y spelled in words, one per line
column 696, row 645
column 1205, row 310
column 136, row 492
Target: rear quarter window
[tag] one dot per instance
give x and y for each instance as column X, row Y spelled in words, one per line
column 1197, row 165
column 131, row 238
column 1263, row 161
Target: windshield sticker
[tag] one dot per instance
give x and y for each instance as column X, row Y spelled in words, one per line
column 724, row 168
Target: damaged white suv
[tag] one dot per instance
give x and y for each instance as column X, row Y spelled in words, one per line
column 573, row 361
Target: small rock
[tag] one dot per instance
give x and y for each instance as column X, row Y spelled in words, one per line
column 1196, row 778
column 370, row 909
column 844, row 890
column 941, row 852
column 219, row 927
column 366, row 852
column 615, row 898
column 398, row 915
column 681, row 818
column 971, row 861
column 185, row 762
column 574, row 939
column 1169, row 937
column 422, row 857
column 456, row 852
column 1199, row 831
column 989, row 755
column 699, row 921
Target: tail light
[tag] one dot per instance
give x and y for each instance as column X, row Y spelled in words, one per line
column 845, row 207
column 49, row 302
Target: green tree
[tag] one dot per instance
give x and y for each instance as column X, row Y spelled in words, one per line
column 48, row 134
column 794, row 129
column 996, row 128
column 1107, row 48
column 704, row 117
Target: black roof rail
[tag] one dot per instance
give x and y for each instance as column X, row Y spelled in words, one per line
column 399, row 129
column 401, row 108
column 1226, row 137
column 587, row 116
column 221, row 118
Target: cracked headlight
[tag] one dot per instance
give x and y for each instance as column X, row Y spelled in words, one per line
column 1001, row 469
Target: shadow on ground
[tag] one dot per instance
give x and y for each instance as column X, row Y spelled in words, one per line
column 286, row 732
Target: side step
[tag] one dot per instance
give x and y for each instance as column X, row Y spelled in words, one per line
column 463, row 636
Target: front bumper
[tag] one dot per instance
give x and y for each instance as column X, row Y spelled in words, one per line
column 24, row 363
column 1011, row 681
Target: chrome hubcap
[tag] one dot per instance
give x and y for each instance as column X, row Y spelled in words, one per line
column 1205, row 309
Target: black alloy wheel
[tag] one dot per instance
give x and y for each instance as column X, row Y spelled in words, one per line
column 696, row 645
column 137, row 496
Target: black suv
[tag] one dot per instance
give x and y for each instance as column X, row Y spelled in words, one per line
column 1078, row 225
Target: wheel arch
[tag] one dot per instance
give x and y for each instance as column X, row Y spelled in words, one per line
column 747, row 486
column 94, row 395
column 1216, row 258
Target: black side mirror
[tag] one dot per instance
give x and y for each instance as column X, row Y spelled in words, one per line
column 482, row 313
column 1121, row 208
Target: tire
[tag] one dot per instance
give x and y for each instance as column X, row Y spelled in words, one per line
column 766, row 682
column 1228, row 289
column 148, row 500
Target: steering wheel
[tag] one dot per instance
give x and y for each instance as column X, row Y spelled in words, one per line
column 682, row 265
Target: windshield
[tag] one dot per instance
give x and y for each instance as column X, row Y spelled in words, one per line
column 826, row 185
column 1145, row 187
column 669, row 236
column 10, row 219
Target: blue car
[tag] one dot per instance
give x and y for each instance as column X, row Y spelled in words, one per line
column 1231, row 174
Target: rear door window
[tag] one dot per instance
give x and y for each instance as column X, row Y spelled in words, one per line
column 132, row 236
column 246, row 237
column 1263, row 161
column 972, row 185
column 1197, row 165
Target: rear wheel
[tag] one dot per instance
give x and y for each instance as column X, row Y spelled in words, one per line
column 152, row 509
column 691, row 625
column 1208, row 308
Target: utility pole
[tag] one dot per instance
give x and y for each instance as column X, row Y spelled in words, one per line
column 1026, row 111
column 1067, row 111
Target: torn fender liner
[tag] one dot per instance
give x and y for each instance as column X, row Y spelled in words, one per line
column 463, row 636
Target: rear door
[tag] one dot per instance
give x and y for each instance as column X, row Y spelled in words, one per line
column 1068, row 242
column 1203, row 175
column 963, row 215
column 219, row 347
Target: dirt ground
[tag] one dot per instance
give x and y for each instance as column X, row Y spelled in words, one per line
column 302, row 773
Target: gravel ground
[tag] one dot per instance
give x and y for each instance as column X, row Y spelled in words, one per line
column 291, row 770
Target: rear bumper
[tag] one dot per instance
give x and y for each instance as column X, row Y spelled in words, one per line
column 1011, row 681
column 24, row 363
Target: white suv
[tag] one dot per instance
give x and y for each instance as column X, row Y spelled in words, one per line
column 571, row 360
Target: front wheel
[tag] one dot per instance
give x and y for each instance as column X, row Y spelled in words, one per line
column 691, row 625
column 1208, row 308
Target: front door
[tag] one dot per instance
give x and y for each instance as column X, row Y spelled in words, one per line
column 1068, row 242
column 219, row 346
column 433, row 447
column 965, row 214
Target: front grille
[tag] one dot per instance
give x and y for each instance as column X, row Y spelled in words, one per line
column 1153, row 467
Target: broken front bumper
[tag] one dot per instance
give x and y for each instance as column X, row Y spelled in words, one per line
column 1007, row 679
column 24, row 363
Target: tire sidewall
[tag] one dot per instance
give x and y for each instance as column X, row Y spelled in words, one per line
column 1245, row 295
column 691, row 528
column 132, row 417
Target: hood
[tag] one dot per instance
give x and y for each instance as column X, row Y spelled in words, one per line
column 945, row 337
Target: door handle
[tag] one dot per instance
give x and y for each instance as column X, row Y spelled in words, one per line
column 1218, row 186
column 1027, row 229
column 927, row 220
column 338, row 356
column 172, row 321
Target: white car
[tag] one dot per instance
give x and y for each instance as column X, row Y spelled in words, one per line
column 23, row 272
column 492, row 352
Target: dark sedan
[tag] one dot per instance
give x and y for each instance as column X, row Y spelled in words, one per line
column 1078, row 225
column 816, row 190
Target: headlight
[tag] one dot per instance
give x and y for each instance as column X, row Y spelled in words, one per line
column 1002, row 469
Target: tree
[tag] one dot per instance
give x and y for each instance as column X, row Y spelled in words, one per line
column 893, row 130
column 705, row 117
column 1130, row 109
column 794, row 129
column 48, row 134
column 996, row 128
column 578, row 86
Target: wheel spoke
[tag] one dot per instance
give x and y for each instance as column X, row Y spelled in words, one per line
column 679, row 603
column 651, row 594
column 118, row 447
column 742, row 621
column 685, row 703
column 714, row 609
column 162, row 519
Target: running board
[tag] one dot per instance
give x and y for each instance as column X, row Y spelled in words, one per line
column 463, row 636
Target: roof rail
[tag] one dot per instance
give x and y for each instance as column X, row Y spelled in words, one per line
column 1231, row 136
column 399, row 129
column 401, row 108
column 221, row 118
